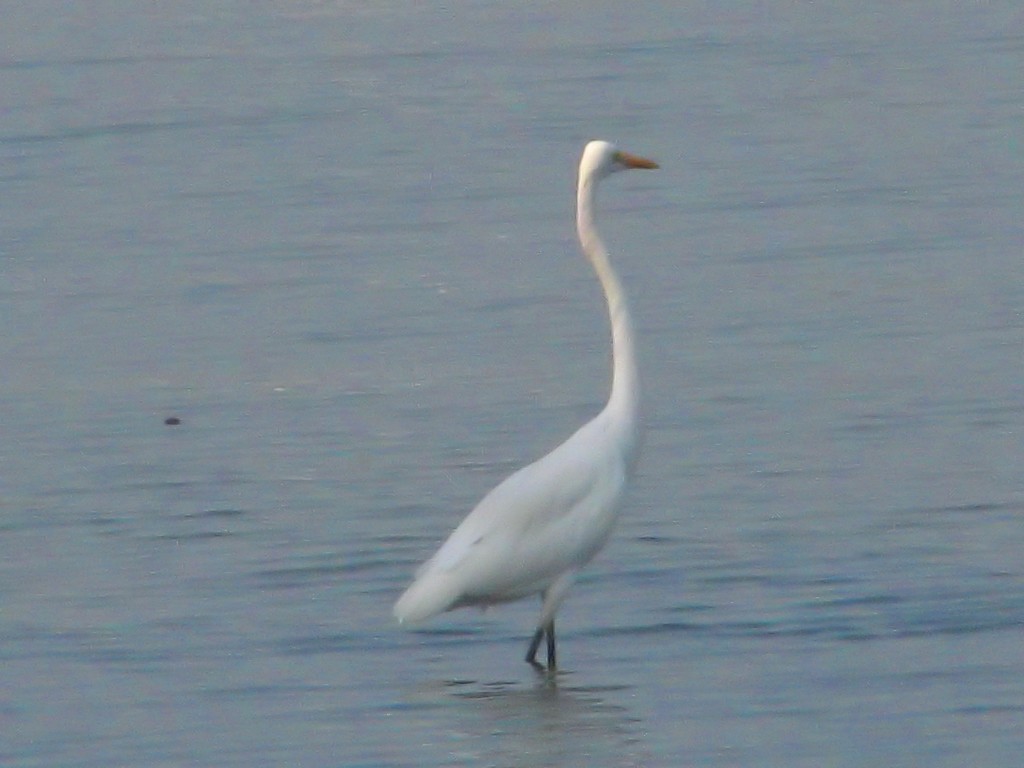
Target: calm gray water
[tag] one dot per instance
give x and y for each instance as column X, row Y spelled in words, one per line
column 335, row 240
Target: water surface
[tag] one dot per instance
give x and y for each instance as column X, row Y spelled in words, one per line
column 335, row 240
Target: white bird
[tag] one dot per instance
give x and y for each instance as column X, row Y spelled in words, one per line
column 540, row 526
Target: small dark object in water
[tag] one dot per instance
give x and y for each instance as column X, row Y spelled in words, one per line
column 172, row 421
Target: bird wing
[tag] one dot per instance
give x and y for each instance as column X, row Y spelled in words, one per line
column 549, row 517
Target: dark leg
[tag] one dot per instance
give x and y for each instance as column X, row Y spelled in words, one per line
column 531, row 652
column 551, row 644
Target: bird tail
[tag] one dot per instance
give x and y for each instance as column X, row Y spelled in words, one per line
column 429, row 595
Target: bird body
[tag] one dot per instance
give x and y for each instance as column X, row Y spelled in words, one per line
column 549, row 517
column 534, row 531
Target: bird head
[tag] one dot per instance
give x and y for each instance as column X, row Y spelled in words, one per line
column 602, row 158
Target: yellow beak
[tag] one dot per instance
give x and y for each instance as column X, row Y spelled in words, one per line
column 634, row 161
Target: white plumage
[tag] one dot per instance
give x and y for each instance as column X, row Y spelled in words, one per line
column 536, row 529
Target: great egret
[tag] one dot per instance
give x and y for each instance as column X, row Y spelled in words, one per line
column 536, row 529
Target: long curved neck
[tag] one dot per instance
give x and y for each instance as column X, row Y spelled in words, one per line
column 624, row 402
